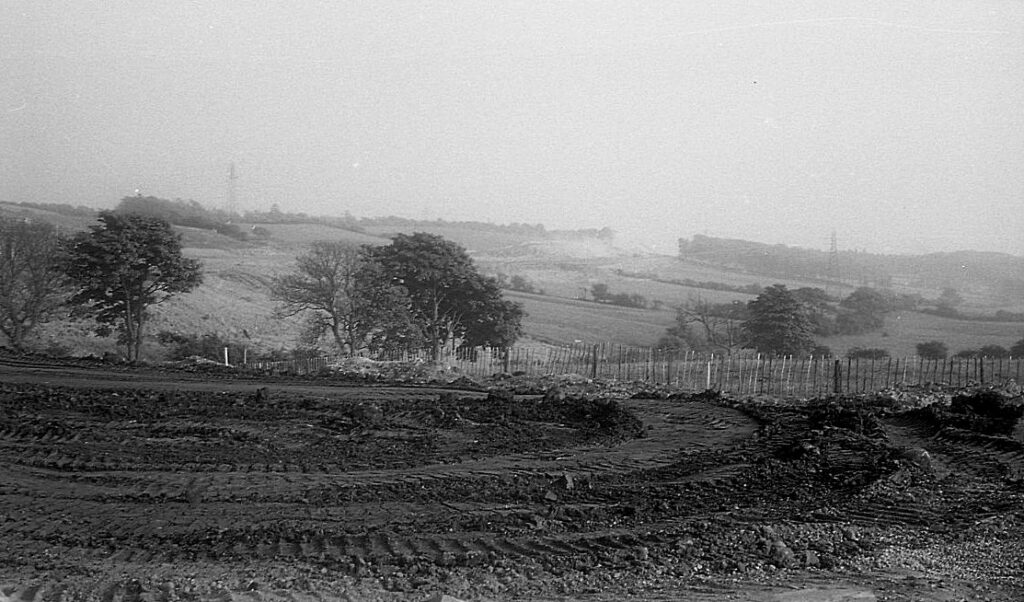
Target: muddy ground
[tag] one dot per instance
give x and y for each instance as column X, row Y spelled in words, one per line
column 120, row 483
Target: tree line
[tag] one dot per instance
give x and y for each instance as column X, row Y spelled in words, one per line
column 1001, row 274
column 779, row 320
column 112, row 273
column 419, row 292
column 785, row 322
column 603, row 294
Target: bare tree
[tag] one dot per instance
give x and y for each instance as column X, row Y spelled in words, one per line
column 718, row 325
column 342, row 293
column 32, row 284
column 324, row 287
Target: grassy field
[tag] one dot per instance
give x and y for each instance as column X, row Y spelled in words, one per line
column 574, row 278
column 295, row 237
column 904, row 330
column 674, row 268
column 566, row 320
column 555, row 320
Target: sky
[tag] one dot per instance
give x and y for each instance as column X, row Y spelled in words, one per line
column 899, row 125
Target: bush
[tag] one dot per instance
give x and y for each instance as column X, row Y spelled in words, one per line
column 821, row 351
column 260, row 232
column 933, row 350
column 671, row 342
column 985, row 412
column 868, row 353
column 1017, row 349
column 210, row 346
column 993, row 351
column 231, row 231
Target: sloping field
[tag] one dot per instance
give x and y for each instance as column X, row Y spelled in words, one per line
column 296, row 237
column 66, row 223
column 674, row 268
column 557, row 320
column 904, row 330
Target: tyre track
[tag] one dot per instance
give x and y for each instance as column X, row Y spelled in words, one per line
column 960, row 449
column 207, row 496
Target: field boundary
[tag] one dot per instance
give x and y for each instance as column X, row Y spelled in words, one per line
column 742, row 374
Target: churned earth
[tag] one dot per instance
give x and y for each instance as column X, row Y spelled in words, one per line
column 128, row 483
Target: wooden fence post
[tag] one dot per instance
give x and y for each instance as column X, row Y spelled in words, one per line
column 727, row 379
column 837, row 377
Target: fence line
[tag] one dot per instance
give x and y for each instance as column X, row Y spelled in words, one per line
column 738, row 374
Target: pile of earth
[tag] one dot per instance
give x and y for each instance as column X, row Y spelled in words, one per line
column 215, row 428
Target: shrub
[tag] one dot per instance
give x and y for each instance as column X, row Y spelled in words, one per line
column 1017, row 349
column 993, row 351
column 986, row 351
column 260, row 232
column 231, row 231
column 985, row 412
column 821, row 351
column 869, row 353
column 210, row 346
column 933, row 350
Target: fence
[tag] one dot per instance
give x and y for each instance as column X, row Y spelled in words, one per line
column 737, row 374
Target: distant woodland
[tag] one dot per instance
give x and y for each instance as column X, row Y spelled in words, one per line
column 997, row 275
column 191, row 213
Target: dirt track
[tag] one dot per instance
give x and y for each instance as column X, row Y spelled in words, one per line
column 148, row 485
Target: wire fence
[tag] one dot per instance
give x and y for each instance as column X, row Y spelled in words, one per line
column 743, row 374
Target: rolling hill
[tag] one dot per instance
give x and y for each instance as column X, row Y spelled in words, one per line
column 234, row 302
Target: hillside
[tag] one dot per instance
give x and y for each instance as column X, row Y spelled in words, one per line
column 558, row 320
column 233, row 300
column 987, row 281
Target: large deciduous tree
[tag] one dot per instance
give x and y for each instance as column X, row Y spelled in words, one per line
column 345, row 294
column 489, row 319
column 863, row 311
column 448, row 297
column 778, row 323
column 820, row 310
column 932, row 350
column 32, row 283
column 705, row 326
column 124, row 265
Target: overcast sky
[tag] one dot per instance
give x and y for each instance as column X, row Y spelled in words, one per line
column 898, row 124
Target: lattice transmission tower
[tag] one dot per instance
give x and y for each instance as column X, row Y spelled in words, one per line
column 231, row 206
column 832, row 272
